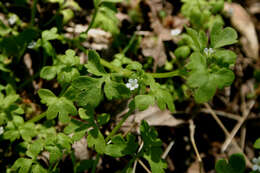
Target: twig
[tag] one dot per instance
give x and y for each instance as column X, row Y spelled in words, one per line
column 243, row 137
column 227, row 133
column 237, row 127
column 192, row 132
column 132, row 126
column 168, row 149
column 224, row 114
column 139, row 149
column 143, row 165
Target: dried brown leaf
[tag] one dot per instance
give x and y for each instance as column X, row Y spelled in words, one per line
column 241, row 20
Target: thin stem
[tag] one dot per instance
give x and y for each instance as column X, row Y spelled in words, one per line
column 93, row 170
column 33, row 12
column 165, row 75
column 37, row 118
column 92, row 20
column 129, row 44
column 113, row 132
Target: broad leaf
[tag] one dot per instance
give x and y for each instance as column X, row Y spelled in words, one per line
column 222, row 37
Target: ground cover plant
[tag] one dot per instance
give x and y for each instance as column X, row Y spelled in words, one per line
column 129, row 86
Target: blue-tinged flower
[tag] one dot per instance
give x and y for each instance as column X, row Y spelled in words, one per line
column 175, row 32
column 132, row 84
column 256, row 166
column 1, row 130
column 208, row 51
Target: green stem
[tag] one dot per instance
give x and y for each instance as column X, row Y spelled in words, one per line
column 129, row 44
column 92, row 20
column 95, row 163
column 166, row 74
column 128, row 73
column 113, row 132
column 33, row 12
column 37, row 118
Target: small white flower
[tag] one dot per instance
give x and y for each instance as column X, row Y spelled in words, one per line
column 256, row 166
column 31, row 45
column 1, row 130
column 175, row 32
column 12, row 20
column 132, row 84
column 230, row 11
column 208, row 51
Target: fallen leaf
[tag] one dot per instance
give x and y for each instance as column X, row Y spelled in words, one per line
column 80, row 149
column 154, row 116
column 241, row 20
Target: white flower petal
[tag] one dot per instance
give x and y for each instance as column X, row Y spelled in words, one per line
column 128, row 85
column 175, row 32
column 1, row 130
column 255, row 167
column 130, row 80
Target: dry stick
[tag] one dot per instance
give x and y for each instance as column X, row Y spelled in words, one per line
column 192, row 132
column 168, row 149
column 139, row 149
column 237, row 127
column 224, row 114
column 227, row 133
column 131, row 127
column 143, row 165
column 243, row 137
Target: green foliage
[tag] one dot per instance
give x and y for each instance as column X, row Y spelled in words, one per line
column 61, row 107
column 9, row 106
column 152, row 148
column 210, row 70
column 106, row 16
column 202, row 13
column 81, row 88
column 257, row 144
column 236, row 164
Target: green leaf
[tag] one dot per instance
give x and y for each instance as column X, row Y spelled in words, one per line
column 225, row 57
column 206, row 80
column 68, row 74
column 78, row 128
column 22, row 164
column 57, row 106
column 35, row 148
column 222, row 37
column 115, row 90
column 106, row 19
column 200, row 39
column 48, row 72
column 84, row 165
column 257, row 144
column 70, row 58
column 27, row 131
column 152, row 148
column 120, row 147
column 89, row 90
column 55, row 153
column 182, row 52
column 223, row 77
column 47, row 97
column 236, row 164
column 64, row 141
column 142, row 102
column 96, row 140
column 149, row 135
column 103, row 119
column 38, row 169
column 153, row 156
column 94, row 65
column 50, row 34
